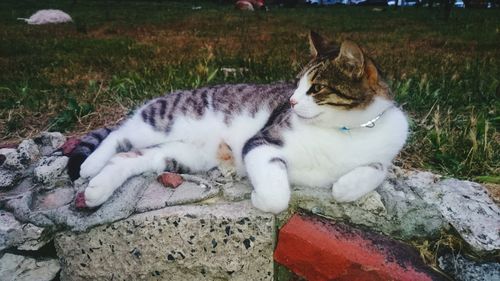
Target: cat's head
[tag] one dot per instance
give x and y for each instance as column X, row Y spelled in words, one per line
column 336, row 80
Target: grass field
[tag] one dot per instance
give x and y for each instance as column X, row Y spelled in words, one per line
column 75, row 77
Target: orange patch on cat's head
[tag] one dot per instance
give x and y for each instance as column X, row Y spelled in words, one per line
column 347, row 76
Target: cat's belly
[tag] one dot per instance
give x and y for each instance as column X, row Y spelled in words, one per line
column 207, row 134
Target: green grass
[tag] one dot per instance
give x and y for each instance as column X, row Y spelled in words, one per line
column 75, row 77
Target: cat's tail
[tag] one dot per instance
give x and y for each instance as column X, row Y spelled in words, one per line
column 24, row 19
column 87, row 145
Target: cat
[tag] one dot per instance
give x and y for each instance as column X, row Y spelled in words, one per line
column 337, row 128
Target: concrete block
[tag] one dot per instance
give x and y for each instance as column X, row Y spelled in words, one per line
column 192, row 242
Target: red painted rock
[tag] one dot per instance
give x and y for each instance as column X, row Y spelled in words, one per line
column 80, row 200
column 318, row 250
column 69, row 146
column 172, row 180
column 244, row 6
column 8, row 145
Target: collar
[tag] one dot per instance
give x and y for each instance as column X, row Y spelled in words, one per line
column 370, row 124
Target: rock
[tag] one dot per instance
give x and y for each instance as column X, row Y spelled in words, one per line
column 19, row 268
column 193, row 189
column 237, row 191
column 120, row 205
column 206, row 242
column 9, row 179
column 415, row 204
column 154, row 197
column 69, row 146
column 50, row 141
column 392, row 210
column 463, row 269
column 11, row 168
column 48, row 170
column 372, row 202
column 52, row 199
column 12, row 160
column 172, row 180
column 318, row 249
column 407, row 211
column 25, row 185
column 467, row 207
column 22, row 236
column 190, row 192
column 28, row 152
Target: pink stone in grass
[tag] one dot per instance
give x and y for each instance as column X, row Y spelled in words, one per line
column 172, row 180
column 80, row 200
column 69, row 145
column 8, row 145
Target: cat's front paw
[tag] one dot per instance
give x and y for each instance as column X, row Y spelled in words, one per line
column 92, row 166
column 345, row 191
column 358, row 182
column 98, row 191
column 272, row 204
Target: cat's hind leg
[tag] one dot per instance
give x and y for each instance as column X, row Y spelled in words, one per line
column 267, row 171
column 125, row 165
column 358, row 182
column 132, row 134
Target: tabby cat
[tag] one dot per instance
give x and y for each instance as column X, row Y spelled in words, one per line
column 337, row 128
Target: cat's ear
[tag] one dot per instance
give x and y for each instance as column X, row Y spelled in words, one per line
column 371, row 73
column 317, row 44
column 351, row 59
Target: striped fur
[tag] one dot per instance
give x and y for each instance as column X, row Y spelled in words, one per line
column 230, row 100
column 87, row 145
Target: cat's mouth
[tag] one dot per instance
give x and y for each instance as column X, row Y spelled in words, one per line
column 308, row 117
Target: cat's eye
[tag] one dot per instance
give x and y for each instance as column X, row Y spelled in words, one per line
column 317, row 87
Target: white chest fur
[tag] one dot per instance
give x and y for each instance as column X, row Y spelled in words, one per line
column 318, row 156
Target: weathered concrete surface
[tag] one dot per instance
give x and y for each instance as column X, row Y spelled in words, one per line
column 49, row 168
column 28, row 152
column 48, row 142
column 22, row 236
column 11, row 168
column 467, row 207
column 193, row 189
column 9, row 179
column 11, row 159
column 20, row 268
column 393, row 209
column 206, row 242
column 237, row 191
column 413, row 204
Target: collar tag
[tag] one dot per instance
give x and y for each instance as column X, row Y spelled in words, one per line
column 370, row 124
column 344, row 129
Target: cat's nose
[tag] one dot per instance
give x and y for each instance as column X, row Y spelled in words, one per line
column 293, row 102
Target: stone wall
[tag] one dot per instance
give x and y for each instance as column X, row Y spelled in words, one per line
column 207, row 242
column 206, row 229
